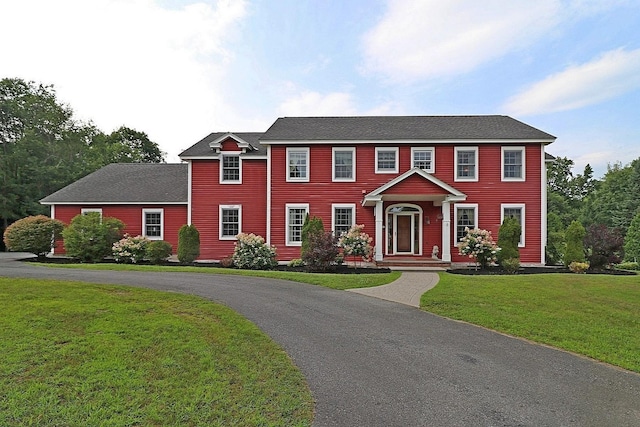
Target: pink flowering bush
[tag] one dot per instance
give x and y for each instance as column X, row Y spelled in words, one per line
column 356, row 243
column 130, row 249
column 478, row 245
column 251, row 252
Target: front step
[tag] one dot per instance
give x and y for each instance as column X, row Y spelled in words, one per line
column 414, row 263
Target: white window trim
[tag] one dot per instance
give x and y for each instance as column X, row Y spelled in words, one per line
column 509, row 148
column 220, row 209
column 455, row 217
column 144, row 223
column 88, row 210
column 230, row 153
column 432, row 169
column 306, row 150
column 288, row 206
column 352, row 150
column 395, row 149
column 351, row 206
column 455, row 165
column 521, row 206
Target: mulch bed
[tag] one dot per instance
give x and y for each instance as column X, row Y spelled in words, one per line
column 337, row 269
column 534, row 270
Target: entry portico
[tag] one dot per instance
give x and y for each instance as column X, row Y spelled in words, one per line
column 413, row 214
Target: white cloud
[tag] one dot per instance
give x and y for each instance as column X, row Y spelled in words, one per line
column 310, row 103
column 422, row 39
column 614, row 73
column 127, row 62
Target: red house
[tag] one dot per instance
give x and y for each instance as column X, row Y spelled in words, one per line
column 415, row 183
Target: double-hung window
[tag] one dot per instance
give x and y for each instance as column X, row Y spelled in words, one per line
column 466, row 216
column 343, row 218
column 466, row 163
column 230, row 221
column 295, row 215
column 85, row 211
column 298, row 164
column 513, row 164
column 344, row 164
column 152, row 223
column 386, row 159
column 423, row 158
column 230, row 169
column 516, row 211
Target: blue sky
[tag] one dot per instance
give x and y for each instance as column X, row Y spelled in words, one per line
column 179, row 69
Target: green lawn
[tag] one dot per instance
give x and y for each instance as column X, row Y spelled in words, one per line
column 328, row 280
column 81, row 354
column 594, row 315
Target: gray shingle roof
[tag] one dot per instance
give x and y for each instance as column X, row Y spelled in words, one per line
column 202, row 149
column 127, row 183
column 401, row 128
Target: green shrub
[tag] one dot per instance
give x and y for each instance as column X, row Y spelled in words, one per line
column 508, row 238
column 188, row 244
column 555, row 247
column 296, row 262
column 130, row 249
column 574, row 250
column 628, row 266
column 322, row 251
column 632, row 240
column 511, row 265
column 252, row 253
column 34, row 234
column 158, row 251
column 578, row 267
column 90, row 237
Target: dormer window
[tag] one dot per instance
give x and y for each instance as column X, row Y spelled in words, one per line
column 230, row 168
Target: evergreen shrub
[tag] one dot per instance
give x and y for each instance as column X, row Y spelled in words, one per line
column 188, row 244
column 632, row 240
column 574, row 250
column 508, row 239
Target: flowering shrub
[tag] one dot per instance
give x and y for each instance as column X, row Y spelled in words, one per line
column 251, row 252
column 356, row 243
column 478, row 245
column 130, row 249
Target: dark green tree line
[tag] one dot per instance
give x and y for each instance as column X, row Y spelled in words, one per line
column 43, row 148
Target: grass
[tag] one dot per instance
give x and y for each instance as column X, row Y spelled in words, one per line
column 594, row 315
column 81, row 354
column 328, row 280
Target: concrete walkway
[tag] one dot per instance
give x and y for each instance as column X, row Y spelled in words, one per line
column 406, row 290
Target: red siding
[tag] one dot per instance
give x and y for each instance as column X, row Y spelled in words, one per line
column 489, row 193
column 175, row 216
column 208, row 194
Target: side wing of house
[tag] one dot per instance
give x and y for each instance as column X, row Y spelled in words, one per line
column 151, row 199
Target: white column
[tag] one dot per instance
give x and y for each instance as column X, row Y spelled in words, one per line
column 446, row 232
column 379, row 213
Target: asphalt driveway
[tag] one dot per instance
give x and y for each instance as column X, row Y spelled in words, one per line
column 371, row 362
